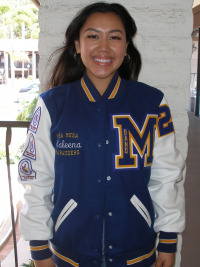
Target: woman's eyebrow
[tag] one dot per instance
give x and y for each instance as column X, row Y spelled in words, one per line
column 91, row 29
column 96, row 30
column 116, row 30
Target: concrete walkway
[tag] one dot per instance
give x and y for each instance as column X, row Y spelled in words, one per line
column 23, row 255
column 6, row 240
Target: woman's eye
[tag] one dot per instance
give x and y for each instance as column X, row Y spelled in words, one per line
column 115, row 38
column 92, row 36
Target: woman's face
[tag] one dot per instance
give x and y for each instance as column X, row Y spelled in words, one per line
column 102, row 45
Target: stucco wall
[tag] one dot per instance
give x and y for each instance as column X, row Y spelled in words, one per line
column 164, row 40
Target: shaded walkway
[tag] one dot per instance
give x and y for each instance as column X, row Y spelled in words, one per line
column 191, row 235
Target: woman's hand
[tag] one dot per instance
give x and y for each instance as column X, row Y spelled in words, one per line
column 165, row 260
column 45, row 263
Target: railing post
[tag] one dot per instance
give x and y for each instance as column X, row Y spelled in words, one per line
column 8, row 142
column 9, row 125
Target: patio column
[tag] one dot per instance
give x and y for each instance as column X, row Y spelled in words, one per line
column 33, row 65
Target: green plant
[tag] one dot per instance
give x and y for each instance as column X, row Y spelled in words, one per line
column 22, row 16
column 31, row 264
column 13, row 158
column 27, row 112
column 2, row 153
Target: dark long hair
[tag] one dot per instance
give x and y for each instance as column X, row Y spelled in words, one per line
column 68, row 69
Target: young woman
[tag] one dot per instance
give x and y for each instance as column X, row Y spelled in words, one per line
column 101, row 173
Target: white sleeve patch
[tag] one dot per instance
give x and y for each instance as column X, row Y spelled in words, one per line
column 30, row 151
column 35, row 121
column 26, row 172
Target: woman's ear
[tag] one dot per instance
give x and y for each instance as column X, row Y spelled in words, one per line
column 77, row 46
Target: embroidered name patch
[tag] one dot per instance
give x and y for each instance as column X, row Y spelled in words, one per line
column 30, row 151
column 68, row 144
column 25, row 170
column 35, row 121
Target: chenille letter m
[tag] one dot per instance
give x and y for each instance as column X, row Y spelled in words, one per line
column 135, row 143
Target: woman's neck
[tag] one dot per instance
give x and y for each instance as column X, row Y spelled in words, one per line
column 101, row 84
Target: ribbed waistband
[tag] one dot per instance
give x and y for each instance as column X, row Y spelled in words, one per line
column 144, row 257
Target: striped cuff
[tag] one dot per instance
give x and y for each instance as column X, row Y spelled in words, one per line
column 167, row 242
column 40, row 250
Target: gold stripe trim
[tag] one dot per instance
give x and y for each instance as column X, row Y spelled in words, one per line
column 114, row 92
column 73, row 263
column 130, row 262
column 90, row 97
column 168, row 241
column 39, row 247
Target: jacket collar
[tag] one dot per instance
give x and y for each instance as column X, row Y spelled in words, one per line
column 92, row 93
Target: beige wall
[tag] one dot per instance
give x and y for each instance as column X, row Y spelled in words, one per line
column 196, row 3
column 196, row 13
column 164, row 40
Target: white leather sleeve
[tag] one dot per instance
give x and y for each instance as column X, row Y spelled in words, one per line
column 36, row 174
column 166, row 184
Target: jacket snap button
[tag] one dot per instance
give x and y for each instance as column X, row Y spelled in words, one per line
column 110, row 214
column 108, row 178
column 99, row 144
column 110, row 247
column 110, row 260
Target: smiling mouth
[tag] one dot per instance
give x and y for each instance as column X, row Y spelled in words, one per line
column 102, row 60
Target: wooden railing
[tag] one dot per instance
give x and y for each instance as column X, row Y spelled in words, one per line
column 9, row 125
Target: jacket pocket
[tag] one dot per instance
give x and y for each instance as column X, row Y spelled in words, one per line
column 141, row 209
column 68, row 208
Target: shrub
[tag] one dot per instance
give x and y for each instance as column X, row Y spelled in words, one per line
column 27, row 112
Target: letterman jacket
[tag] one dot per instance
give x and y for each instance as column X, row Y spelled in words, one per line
column 101, row 168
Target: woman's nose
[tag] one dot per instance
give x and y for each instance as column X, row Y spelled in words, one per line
column 104, row 45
